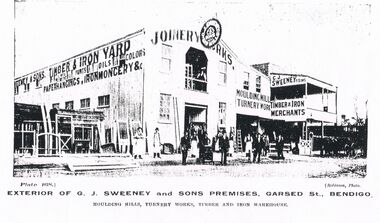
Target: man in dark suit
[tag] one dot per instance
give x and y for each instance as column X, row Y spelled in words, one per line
column 280, row 146
column 185, row 146
column 259, row 146
column 202, row 147
column 224, row 145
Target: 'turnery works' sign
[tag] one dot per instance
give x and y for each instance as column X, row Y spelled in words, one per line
column 252, row 103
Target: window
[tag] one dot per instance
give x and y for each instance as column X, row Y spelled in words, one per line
column 194, row 81
column 222, row 73
column 222, row 113
column 166, row 60
column 69, row 105
column 165, row 107
column 85, row 103
column 104, row 101
column 196, row 70
column 64, row 124
column 123, row 130
column 108, row 135
column 246, row 81
column 55, row 105
column 26, row 87
column 82, row 133
column 258, row 84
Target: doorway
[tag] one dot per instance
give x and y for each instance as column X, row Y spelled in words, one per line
column 195, row 118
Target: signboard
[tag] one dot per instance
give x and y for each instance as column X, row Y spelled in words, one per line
column 112, row 60
column 190, row 36
column 289, row 109
column 281, row 80
column 211, row 33
column 252, row 103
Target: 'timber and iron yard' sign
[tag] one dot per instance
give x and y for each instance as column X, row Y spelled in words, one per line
column 108, row 61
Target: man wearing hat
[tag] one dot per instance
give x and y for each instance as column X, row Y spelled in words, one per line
column 279, row 145
column 259, row 146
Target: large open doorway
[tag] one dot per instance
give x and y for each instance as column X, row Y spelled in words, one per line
column 248, row 124
column 195, row 118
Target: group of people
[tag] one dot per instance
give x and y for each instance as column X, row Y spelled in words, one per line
column 221, row 142
column 258, row 144
column 197, row 143
column 194, row 142
column 255, row 146
column 139, row 144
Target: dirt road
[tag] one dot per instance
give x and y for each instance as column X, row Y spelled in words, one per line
column 170, row 165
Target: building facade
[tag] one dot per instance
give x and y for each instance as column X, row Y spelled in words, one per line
column 300, row 102
column 151, row 79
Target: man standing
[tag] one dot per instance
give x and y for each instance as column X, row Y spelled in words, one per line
column 280, row 147
column 202, row 147
column 266, row 145
column 224, row 145
column 185, row 146
column 259, row 146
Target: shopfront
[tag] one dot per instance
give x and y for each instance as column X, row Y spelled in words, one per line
column 166, row 79
column 97, row 97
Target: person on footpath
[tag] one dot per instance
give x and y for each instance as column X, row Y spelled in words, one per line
column 156, row 143
column 202, row 147
column 194, row 151
column 185, row 146
column 267, row 144
column 248, row 146
column 224, row 145
column 138, row 149
column 279, row 146
column 259, row 145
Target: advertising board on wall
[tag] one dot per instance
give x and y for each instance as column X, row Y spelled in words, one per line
column 282, row 80
column 288, row 109
column 252, row 103
column 164, row 36
column 111, row 60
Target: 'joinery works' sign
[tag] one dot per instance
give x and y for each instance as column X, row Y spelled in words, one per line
column 190, row 36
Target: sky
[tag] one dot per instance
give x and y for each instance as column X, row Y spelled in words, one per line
column 326, row 40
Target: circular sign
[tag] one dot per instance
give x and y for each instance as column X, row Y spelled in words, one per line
column 211, row 33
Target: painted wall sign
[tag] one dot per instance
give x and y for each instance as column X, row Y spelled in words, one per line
column 286, row 80
column 252, row 100
column 34, row 77
column 189, row 36
column 288, row 108
column 108, row 61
